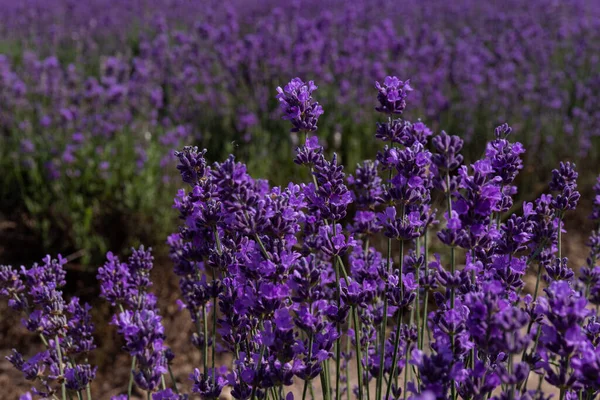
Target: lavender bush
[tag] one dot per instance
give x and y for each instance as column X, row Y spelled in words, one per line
column 95, row 95
column 329, row 288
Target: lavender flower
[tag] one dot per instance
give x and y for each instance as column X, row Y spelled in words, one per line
column 65, row 328
column 295, row 100
column 392, row 95
column 144, row 336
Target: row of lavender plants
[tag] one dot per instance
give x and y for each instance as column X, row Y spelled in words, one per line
column 292, row 296
column 95, row 95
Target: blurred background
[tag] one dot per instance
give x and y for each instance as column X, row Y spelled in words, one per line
column 96, row 95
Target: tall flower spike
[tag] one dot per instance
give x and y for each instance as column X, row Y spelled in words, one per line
column 564, row 180
column 394, row 131
column 192, row 164
column 505, row 157
column 331, row 197
column 65, row 328
column 296, row 102
column 564, row 176
column 447, row 157
column 366, row 185
column 144, row 335
column 310, row 153
column 392, row 95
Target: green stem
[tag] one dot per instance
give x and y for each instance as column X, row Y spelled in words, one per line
column 357, row 326
column 424, row 326
column 214, row 338
column 262, row 348
column 205, row 339
column 328, row 377
column 262, row 353
column 338, row 341
column 130, row 384
column 365, row 375
column 472, row 363
column 262, row 246
column 535, row 344
column 426, row 300
column 79, row 395
column 401, row 269
column 452, row 248
column 559, row 237
column 324, row 388
column 418, row 299
column 63, row 385
column 452, row 269
column 175, row 389
column 382, row 333
column 537, row 284
column 310, row 345
column 358, row 352
column 405, row 370
column 394, row 357
column 218, row 241
column 348, row 348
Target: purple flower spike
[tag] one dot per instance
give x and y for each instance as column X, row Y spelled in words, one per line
column 448, row 147
column 564, row 176
column 296, row 102
column 78, row 377
column 564, row 180
column 192, row 164
column 392, row 95
column 36, row 292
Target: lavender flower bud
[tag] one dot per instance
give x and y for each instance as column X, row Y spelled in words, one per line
column 392, row 95
column 296, row 102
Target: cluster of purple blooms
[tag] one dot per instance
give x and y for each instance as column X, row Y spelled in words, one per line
column 64, row 327
column 126, row 286
column 291, row 282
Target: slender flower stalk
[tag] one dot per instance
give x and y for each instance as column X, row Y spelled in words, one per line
column 358, row 352
column 338, row 342
column 452, row 270
column 131, row 372
column 424, row 326
column 63, row 386
column 393, row 372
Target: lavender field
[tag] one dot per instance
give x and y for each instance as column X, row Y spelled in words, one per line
column 300, row 200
